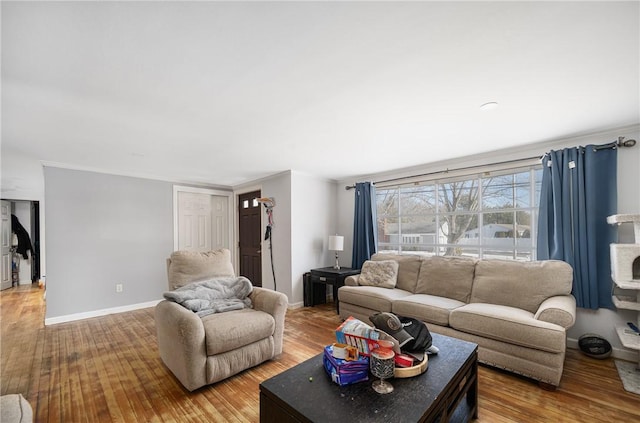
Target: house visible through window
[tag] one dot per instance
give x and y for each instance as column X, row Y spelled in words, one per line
column 488, row 215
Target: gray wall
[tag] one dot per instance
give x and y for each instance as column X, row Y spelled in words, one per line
column 102, row 230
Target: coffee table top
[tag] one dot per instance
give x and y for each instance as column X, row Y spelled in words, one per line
column 322, row 400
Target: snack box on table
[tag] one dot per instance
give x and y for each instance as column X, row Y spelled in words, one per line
column 362, row 336
column 345, row 372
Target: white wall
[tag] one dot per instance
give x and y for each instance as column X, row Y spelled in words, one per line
column 278, row 187
column 313, row 214
column 600, row 321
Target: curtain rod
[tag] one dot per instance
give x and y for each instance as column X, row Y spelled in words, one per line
column 615, row 144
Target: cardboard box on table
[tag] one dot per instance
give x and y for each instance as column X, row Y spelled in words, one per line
column 364, row 337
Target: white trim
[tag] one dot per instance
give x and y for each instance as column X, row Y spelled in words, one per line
column 98, row 313
column 209, row 191
column 621, row 353
column 294, row 306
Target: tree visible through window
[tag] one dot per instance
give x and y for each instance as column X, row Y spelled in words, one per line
column 484, row 215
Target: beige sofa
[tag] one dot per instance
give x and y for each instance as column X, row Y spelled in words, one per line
column 517, row 312
column 200, row 351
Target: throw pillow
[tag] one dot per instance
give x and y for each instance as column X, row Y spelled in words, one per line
column 383, row 273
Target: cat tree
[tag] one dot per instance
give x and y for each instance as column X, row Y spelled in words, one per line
column 625, row 272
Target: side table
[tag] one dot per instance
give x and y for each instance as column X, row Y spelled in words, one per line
column 331, row 276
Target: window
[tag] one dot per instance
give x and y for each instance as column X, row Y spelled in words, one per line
column 488, row 215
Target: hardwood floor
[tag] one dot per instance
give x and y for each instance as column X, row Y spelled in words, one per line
column 107, row 369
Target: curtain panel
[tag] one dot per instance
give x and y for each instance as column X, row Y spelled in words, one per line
column 579, row 191
column 365, row 233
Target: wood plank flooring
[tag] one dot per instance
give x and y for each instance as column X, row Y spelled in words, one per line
column 107, row 369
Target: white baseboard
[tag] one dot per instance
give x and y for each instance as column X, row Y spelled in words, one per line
column 620, row 353
column 293, row 306
column 98, row 313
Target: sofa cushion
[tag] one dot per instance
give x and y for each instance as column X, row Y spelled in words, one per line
column 518, row 284
column 382, row 273
column 408, row 269
column 233, row 329
column 184, row 267
column 450, row 277
column 371, row 297
column 428, row 308
column 508, row 324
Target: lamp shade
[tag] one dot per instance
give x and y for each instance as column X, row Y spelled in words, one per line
column 336, row 243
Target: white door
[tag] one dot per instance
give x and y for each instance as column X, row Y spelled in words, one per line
column 6, row 245
column 203, row 221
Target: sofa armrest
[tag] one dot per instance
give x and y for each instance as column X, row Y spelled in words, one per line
column 181, row 342
column 352, row 280
column 560, row 310
column 275, row 303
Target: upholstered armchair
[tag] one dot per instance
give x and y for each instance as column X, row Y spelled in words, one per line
column 200, row 351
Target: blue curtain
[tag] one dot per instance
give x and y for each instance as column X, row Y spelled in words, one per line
column 365, row 232
column 579, row 191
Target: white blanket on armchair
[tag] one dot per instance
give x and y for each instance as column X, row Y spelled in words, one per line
column 213, row 295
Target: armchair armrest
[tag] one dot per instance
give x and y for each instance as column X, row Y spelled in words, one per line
column 275, row 303
column 352, row 280
column 181, row 342
column 560, row 310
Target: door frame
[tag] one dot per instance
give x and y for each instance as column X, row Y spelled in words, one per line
column 7, row 266
column 209, row 191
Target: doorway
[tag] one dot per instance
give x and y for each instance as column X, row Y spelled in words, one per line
column 249, row 234
column 16, row 269
column 6, row 246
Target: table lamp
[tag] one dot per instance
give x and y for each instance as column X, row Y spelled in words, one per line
column 336, row 243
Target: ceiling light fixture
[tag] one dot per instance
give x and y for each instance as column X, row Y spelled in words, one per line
column 492, row 105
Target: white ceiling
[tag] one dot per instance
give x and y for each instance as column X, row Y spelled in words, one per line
column 228, row 92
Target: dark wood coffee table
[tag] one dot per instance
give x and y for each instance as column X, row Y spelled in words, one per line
column 447, row 391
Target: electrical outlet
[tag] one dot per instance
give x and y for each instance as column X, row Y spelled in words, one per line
column 118, row 287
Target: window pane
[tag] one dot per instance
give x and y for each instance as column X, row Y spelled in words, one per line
column 497, row 192
column 537, row 175
column 388, row 230
column 418, row 199
column 387, row 202
column 461, row 252
column 523, row 229
column 524, row 255
column 458, row 196
column 459, row 228
column 499, row 232
column 496, row 253
column 522, row 187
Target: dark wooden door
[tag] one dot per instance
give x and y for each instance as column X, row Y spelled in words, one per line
column 250, row 235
